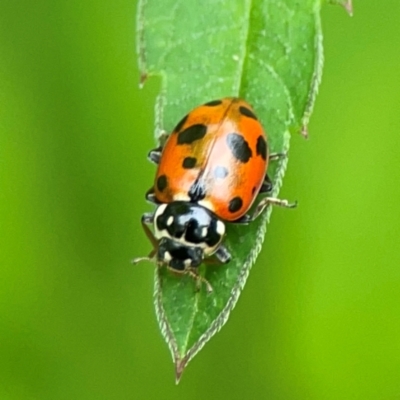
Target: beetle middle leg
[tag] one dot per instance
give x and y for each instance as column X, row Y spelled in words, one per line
column 261, row 206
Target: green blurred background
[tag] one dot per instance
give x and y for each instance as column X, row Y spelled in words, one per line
column 320, row 316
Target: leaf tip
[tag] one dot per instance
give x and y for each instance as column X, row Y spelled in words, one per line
column 348, row 6
column 180, row 365
column 143, row 79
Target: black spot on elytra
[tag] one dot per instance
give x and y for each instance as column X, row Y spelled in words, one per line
column 162, row 182
column 253, row 190
column 197, row 191
column 192, row 133
column 220, row 172
column 247, row 112
column 235, row 204
column 189, row 162
column 213, row 103
column 262, row 147
column 239, row 147
column 180, row 124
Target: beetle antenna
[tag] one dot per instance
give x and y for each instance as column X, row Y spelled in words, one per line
column 199, row 280
column 137, row 260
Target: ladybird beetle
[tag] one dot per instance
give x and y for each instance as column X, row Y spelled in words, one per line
column 210, row 170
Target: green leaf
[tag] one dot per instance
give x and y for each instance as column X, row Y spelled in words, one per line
column 267, row 52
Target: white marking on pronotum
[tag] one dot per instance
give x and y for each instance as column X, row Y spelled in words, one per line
column 160, row 210
column 170, row 220
column 220, row 228
column 204, row 231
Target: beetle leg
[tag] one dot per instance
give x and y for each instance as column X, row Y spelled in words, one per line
column 223, row 255
column 193, row 273
column 261, row 206
column 266, row 201
column 147, row 219
column 151, row 197
column 155, row 155
column 199, row 279
column 266, row 186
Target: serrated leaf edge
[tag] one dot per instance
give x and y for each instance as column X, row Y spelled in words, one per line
column 140, row 48
column 317, row 74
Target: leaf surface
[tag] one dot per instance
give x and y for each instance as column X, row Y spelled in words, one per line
column 270, row 54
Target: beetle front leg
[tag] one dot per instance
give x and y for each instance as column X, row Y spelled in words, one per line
column 148, row 219
column 223, row 255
